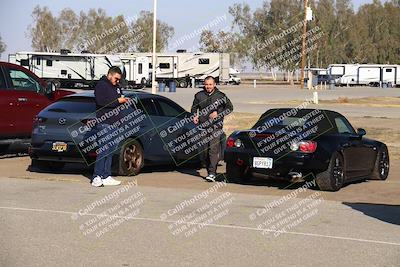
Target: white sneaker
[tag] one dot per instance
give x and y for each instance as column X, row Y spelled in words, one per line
column 111, row 181
column 97, row 181
column 210, row 178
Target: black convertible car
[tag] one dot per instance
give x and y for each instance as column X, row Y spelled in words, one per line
column 301, row 144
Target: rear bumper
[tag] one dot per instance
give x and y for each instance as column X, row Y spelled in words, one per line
column 282, row 164
column 44, row 151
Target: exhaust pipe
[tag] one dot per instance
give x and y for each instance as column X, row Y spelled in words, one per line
column 296, row 176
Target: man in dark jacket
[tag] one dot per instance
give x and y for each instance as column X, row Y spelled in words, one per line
column 209, row 108
column 108, row 98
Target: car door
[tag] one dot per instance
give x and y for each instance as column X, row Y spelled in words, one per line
column 27, row 97
column 357, row 153
column 155, row 147
column 7, row 108
column 171, row 126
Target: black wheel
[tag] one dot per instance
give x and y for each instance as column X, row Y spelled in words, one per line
column 381, row 168
column 235, row 173
column 182, row 84
column 333, row 178
column 42, row 165
column 131, row 158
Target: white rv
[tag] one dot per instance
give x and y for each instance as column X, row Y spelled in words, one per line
column 182, row 67
column 136, row 68
column 365, row 74
column 67, row 69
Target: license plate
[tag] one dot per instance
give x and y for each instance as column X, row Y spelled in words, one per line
column 59, row 146
column 262, row 163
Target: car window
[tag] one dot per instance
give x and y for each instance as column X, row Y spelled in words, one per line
column 2, row 81
column 73, row 105
column 22, row 81
column 343, row 126
column 170, row 109
column 149, row 106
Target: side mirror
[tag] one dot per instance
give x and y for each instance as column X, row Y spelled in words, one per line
column 51, row 88
column 361, row 132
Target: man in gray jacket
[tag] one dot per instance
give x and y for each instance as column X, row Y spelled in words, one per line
column 209, row 108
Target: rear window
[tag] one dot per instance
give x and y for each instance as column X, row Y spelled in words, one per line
column 73, row 105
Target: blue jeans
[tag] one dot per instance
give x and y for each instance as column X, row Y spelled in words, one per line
column 102, row 167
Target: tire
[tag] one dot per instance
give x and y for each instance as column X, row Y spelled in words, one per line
column 131, row 158
column 235, row 173
column 42, row 165
column 333, row 178
column 182, row 84
column 382, row 164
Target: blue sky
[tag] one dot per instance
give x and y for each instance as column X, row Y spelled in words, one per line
column 184, row 16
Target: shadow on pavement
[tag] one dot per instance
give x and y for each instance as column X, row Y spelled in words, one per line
column 383, row 212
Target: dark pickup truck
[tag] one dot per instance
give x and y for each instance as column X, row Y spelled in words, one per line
column 22, row 96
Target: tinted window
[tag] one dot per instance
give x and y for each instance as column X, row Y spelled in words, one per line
column 140, row 68
column 343, row 126
column 388, row 70
column 204, row 61
column 73, row 105
column 49, row 63
column 25, row 62
column 149, row 107
column 2, row 82
column 170, row 109
column 22, row 81
column 164, row 65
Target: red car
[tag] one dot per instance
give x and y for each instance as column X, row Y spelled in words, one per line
column 22, row 96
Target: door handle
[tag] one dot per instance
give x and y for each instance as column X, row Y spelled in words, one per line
column 344, row 145
column 22, row 99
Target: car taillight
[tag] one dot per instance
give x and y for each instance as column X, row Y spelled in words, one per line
column 38, row 119
column 304, row 146
column 231, row 142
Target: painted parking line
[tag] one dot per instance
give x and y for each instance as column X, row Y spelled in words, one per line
column 238, row 227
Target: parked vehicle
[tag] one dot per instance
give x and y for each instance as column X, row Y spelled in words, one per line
column 182, row 67
column 365, row 74
column 54, row 144
column 137, row 70
column 22, row 96
column 70, row 70
column 332, row 153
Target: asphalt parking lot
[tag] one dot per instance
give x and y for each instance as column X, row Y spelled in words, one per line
column 170, row 216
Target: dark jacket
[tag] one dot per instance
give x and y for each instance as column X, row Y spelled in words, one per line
column 205, row 104
column 106, row 96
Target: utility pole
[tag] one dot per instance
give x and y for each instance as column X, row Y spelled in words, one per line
column 303, row 47
column 153, row 73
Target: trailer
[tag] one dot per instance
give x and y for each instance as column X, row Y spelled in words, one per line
column 136, row 68
column 72, row 70
column 185, row 67
column 365, row 74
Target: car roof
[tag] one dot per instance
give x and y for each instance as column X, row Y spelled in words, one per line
column 127, row 93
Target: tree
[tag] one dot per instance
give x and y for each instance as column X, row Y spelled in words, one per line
column 45, row 31
column 2, row 46
column 68, row 23
column 95, row 31
column 143, row 27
